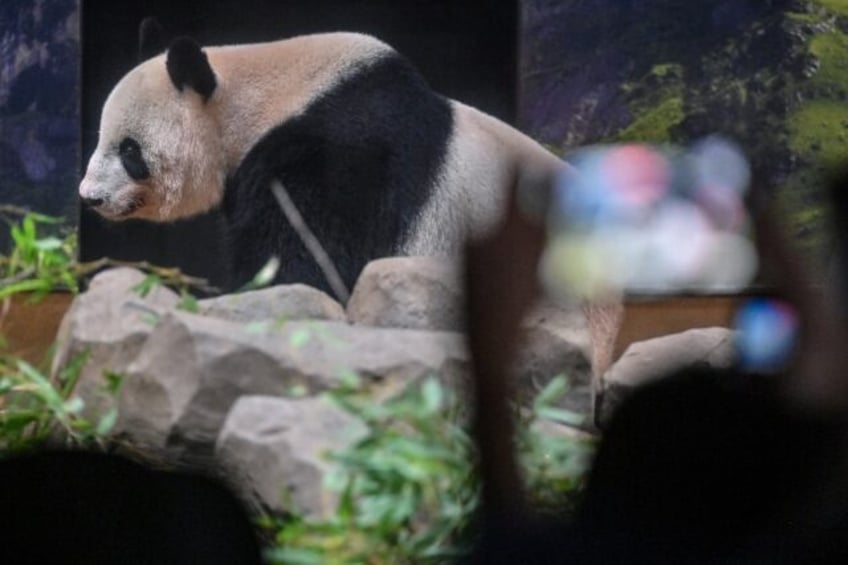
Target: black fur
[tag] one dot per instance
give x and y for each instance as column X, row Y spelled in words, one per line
column 132, row 159
column 188, row 66
column 359, row 164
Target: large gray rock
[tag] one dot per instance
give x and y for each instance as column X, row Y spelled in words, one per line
column 282, row 302
column 109, row 323
column 426, row 293
column 408, row 292
column 556, row 342
column 275, row 449
column 653, row 359
column 192, row 369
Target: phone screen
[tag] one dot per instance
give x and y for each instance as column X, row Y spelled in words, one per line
column 640, row 218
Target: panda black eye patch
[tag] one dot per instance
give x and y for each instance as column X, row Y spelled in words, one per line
column 132, row 160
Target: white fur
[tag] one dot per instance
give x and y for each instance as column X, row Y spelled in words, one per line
column 484, row 158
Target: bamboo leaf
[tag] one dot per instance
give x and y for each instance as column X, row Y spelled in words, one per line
column 554, row 390
column 107, row 422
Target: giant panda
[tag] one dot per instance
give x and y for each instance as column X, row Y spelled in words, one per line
column 375, row 161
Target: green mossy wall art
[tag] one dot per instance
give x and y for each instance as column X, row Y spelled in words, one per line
column 771, row 74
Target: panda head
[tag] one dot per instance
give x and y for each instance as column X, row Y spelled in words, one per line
column 159, row 155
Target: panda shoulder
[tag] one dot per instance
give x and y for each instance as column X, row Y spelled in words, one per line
column 356, row 38
column 351, row 43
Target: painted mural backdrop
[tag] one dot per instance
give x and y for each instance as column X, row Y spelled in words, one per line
column 39, row 105
column 773, row 74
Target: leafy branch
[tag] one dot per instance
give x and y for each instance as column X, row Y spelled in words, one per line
column 408, row 490
column 43, row 260
column 36, row 411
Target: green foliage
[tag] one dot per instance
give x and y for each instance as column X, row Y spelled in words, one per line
column 663, row 70
column 658, row 108
column 554, row 465
column 408, row 491
column 157, row 277
column 36, row 412
column 831, row 50
column 806, row 18
column 654, row 124
column 146, row 286
column 300, row 337
column 41, row 260
column 188, row 302
column 818, row 134
column 819, row 130
column 44, row 259
column 265, row 275
column 837, row 6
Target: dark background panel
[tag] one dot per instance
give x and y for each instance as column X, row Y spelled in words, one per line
column 466, row 50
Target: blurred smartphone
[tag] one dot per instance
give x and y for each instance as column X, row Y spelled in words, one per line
column 654, row 220
column 767, row 333
column 648, row 219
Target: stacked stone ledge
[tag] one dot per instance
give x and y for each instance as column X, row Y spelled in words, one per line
column 237, row 384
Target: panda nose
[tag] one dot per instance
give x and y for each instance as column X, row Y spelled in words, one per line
column 92, row 202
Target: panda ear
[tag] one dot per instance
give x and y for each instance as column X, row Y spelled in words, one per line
column 152, row 39
column 188, row 66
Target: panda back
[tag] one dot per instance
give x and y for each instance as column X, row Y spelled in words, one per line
column 360, row 162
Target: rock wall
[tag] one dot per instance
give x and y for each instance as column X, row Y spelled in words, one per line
column 238, row 381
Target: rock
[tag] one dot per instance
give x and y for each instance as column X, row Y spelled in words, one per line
column 426, row 293
column 556, row 342
column 655, row 358
column 282, row 302
column 408, row 292
column 111, row 322
column 192, row 369
column 187, row 375
column 276, row 450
